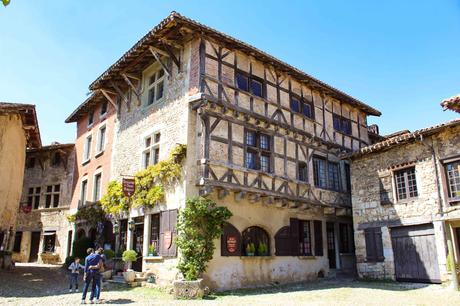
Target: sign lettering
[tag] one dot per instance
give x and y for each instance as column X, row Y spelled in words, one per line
column 232, row 244
column 129, row 186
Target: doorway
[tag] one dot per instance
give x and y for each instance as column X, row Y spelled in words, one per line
column 138, row 242
column 330, row 232
column 34, row 246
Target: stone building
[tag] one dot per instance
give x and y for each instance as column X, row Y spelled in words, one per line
column 405, row 199
column 95, row 119
column 18, row 131
column 263, row 139
column 43, row 232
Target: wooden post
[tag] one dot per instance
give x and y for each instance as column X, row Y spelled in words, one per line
column 450, row 249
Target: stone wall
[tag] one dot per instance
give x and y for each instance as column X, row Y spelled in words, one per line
column 374, row 172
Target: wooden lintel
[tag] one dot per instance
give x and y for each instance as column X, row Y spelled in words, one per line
column 156, row 55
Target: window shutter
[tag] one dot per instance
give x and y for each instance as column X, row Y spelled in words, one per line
column 164, row 227
column 283, row 242
column 173, row 228
column 294, row 233
column 378, row 245
column 230, row 240
column 370, row 246
column 318, row 228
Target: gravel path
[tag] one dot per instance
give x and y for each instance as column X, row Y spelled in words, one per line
column 47, row 285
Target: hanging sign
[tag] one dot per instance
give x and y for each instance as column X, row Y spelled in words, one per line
column 167, row 239
column 232, row 244
column 128, row 186
column 26, row 208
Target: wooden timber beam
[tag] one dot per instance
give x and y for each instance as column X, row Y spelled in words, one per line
column 157, row 56
column 170, row 53
column 121, row 94
column 110, row 96
column 136, row 89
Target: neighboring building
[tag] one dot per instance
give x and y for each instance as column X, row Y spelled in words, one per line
column 43, row 232
column 95, row 119
column 18, row 131
column 263, row 139
column 406, row 196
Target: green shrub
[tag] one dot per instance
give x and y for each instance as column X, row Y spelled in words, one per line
column 200, row 222
column 109, row 254
column 129, row 256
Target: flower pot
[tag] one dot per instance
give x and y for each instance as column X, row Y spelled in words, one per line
column 189, row 289
column 129, row 276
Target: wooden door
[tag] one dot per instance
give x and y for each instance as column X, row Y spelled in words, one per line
column 34, row 246
column 331, row 245
column 415, row 255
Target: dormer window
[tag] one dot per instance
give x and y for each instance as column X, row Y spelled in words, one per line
column 156, row 82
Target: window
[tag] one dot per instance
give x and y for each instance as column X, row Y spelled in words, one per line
column 347, row 177
column 52, row 195
column 406, row 185
column 87, row 149
column 101, row 139
column 257, row 237
column 326, row 174
column 299, row 105
column 345, row 235
column 83, row 191
column 151, row 153
column 90, row 118
column 97, row 187
column 155, row 232
column 305, row 238
column 156, row 86
column 17, row 242
column 251, row 84
column 453, row 179
column 30, row 162
column 104, row 108
column 374, row 245
column 56, row 160
column 302, row 173
column 258, row 151
column 33, row 197
column 49, row 241
column 342, row 125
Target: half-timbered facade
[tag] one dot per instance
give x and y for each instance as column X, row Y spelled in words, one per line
column 262, row 138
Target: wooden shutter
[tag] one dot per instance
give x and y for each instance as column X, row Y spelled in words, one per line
column 318, row 228
column 294, row 233
column 283, row 242
column 374, row 244
column 168, row 223
column 230, row 232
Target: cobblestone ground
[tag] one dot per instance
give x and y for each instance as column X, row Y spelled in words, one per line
column 47, row 285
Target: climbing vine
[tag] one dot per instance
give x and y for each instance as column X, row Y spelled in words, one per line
column 199, row 224
column 93, row 214
column 151, row 184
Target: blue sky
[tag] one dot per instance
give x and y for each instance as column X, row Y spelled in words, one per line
column 401, row 57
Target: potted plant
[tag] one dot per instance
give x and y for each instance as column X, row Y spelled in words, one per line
column 152, row 250
column 250, row 249
column 262, row 249
column 129, row 256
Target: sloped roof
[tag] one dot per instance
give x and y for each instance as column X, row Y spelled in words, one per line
column 177, row 20
column 452, row 103
column 94, row 99
column 401, row 139
column 55, row 146
column 29, row 121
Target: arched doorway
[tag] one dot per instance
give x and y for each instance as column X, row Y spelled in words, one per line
column 81, row 233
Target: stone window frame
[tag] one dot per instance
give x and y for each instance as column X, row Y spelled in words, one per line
column 83, row 198
column 407, row 189
column 49, row 236
column 449, row 190
column 87, row 147
column 97, row 194
column 151, row 149
column 154, row 70
column 52, row 195
column 33, row 198
column 100, row 147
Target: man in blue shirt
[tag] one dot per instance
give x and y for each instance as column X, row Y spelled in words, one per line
column 93, row 263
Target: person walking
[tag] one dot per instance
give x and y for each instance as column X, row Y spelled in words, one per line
column 74, row 268
column 100, row 251
column 92, row 276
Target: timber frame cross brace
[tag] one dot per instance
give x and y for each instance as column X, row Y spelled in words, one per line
column 157, row 53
